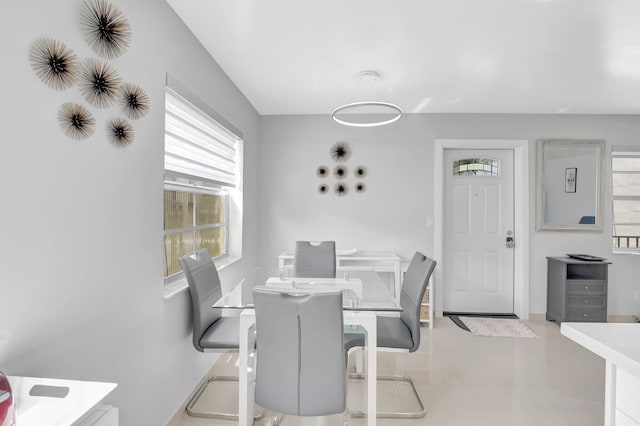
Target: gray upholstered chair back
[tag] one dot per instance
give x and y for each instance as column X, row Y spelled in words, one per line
column 415, row 283
column 204, row 286
column 315, row 260
column 301, row 364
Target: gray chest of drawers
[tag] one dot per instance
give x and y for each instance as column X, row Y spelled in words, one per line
column 576, row 290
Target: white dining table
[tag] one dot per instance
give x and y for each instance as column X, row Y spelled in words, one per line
column 364, row 297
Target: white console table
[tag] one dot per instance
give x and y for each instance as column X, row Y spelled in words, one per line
column 82, row 406
column 619, row 345
column 358, row 261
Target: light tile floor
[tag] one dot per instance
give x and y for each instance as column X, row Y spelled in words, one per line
column 468, row 381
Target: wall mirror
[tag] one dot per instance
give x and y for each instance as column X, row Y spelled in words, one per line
column 570, row 185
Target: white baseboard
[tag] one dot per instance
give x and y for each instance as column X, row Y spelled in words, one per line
column 610, row 318
column 621, row 318
column 536, row 317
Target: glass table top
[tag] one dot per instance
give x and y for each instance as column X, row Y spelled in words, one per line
column 362, row 291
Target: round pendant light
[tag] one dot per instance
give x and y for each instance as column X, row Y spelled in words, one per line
column 355, row 106
column 378, row 113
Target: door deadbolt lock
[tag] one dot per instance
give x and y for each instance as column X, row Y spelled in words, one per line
column 509, row 242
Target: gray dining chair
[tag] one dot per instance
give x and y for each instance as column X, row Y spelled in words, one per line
column 591, row 220
column 403, row 332
column 315, row 259
column 301, row 362
column 211, row 331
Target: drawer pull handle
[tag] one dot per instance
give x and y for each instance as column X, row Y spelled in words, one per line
column 585, row 315
column 586, row 287
column 586, row 302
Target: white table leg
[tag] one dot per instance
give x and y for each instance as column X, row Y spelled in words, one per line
column 372, row 370
column 368, row 321
column 245, row 382
column 281, row 267
column 359, row 355
column 610, row 394
column 397, row 276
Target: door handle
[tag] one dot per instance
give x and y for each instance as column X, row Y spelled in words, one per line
column 509, row 241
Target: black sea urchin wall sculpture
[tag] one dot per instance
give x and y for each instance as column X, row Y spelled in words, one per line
column 76, row 120
column 55, row 64
column 340, row 152
column 120, row 132
column 341, row 189
column 100, row 83
column 106, row 29
column 360, row 171
column 322, row 171
column 134, row 101
column 340, row 172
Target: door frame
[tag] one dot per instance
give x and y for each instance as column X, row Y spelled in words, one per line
column 522, row 231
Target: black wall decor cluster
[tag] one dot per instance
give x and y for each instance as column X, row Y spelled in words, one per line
column 108, row 33
column 340, row 152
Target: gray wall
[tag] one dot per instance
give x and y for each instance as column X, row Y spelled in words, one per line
column 392, row 213
column 82, row 259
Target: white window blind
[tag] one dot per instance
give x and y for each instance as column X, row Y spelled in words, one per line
column 197, row 146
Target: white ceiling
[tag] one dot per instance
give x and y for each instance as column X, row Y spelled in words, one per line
column 434, row 56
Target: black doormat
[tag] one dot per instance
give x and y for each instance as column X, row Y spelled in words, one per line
column 455, row 317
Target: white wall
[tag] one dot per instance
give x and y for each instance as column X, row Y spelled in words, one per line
column 392, row 213
column 81, row 255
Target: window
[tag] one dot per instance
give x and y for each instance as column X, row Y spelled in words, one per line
column 193, row 220
column 475, row 167
column 625, row 179
column 201, row 175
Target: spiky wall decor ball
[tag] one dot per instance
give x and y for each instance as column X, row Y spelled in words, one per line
column 120, row 132
column 134, row 101
column 323, row 188
column 360, row 187
column 76, row 121
column 100, row 83
column 55, row 64
column 322, row 171
column 340, row 172
column 106, row 29
column 360, row 171
column 340, row 152
column 341, row 189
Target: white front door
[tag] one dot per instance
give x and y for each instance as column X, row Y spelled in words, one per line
column 478, row 231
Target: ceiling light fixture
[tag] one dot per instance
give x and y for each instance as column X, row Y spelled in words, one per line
column 390, row 112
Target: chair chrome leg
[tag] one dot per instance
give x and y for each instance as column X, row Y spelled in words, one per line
column 276, row 420
column 393, row 415
column 209, row 414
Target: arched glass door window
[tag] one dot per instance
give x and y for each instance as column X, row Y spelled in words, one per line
column 476, row 167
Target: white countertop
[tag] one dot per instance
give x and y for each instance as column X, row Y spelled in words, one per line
column 48, row 411
column 616, row 342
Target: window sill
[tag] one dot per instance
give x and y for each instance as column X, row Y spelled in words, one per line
column 179, row 285
column 635, row 252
